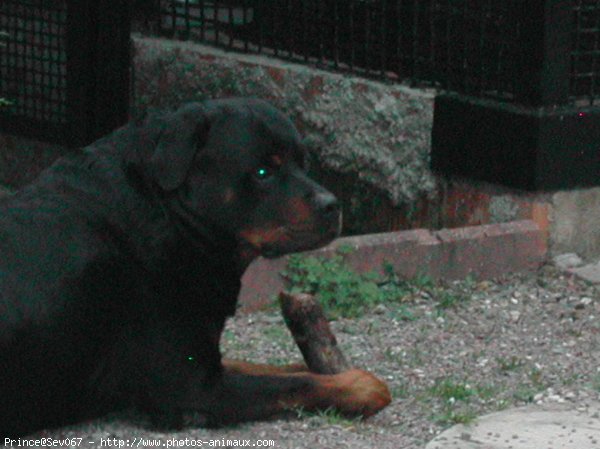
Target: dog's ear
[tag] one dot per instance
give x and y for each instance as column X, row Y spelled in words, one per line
column 182, row 133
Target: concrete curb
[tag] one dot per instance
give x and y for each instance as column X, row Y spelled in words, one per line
column 556, row 426
column 483, row 252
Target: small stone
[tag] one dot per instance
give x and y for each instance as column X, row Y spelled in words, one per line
column 590, row 272
column 567, row 260
column 484, row 285
column 570, row 395
column 272, row 319
column 380, row 309
column 465, row 436
column 482, row 362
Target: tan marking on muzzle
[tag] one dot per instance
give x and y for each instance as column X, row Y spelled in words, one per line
column 229, row 196
column 300, row 211
column 258, row 237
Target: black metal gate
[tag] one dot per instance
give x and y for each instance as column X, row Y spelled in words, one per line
column 548, row 135
column 522, row 77
column 64, row 68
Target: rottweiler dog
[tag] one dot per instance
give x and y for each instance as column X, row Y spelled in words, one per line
column 120, row 265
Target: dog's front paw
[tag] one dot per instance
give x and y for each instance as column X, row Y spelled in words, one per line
column 360, row 393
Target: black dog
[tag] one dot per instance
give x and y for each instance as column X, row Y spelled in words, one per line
column 119, row 266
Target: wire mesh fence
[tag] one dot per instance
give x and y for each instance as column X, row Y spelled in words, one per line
column 467, row 45
column 477, row 47
column 33, row 74
column 470, row 46
column 64, row 67
column 585, row 54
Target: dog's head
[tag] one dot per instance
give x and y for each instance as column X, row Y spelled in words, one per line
column 238, row 166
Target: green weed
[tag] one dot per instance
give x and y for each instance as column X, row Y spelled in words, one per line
column 329, row 416
column 511, row 364
column 342, row 291
column 448, row 299
column 451, row 390
column 455, row 397
column 345, row 293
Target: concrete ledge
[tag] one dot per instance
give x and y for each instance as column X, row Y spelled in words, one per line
column 482, row 252
column 557, row 426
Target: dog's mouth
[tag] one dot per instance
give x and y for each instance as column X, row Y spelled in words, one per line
column 300, row 239
column 281, row 240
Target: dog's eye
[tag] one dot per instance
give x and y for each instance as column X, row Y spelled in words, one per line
column 263, row 172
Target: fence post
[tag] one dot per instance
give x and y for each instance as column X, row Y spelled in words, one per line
column 544, row 64
column 80, row 69
column 98, row 67
column 541, row 140
column 113, row 66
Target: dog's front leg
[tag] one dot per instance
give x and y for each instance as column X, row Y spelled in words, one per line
column 250, row 392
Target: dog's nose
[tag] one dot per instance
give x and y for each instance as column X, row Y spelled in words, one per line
column 326, row 203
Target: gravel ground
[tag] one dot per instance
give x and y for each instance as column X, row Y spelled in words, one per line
column 449, row 354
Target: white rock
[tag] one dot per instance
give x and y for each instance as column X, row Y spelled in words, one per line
column 567, row 260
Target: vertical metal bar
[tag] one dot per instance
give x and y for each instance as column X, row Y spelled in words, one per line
column 352, row 34
column 202, row 6
column 383, row 41
column 305, row 46
column 577, row 46
column 245, row 22
column 275, row 32
column 451, row 60
column 432, row 39
column 173, row 17
column 465, row 73
column 245, row 25
column 186, row 18
column 595, row 53
column 336, row 34
column 22, row 53
column 31, row 68
column 215, row 20
column 498, row 63
column 415, row 40
column 367, row 42
column 319, row 29
column 545, row 52
column 231, row 24
column 80, row 23
column 42, row 67
column 482, row 77
column 13, row 44
column 291, row 34
column 399, row 55
column 260, row 8
column 110, row 86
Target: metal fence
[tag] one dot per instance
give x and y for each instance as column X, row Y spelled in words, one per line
column 470, row 46
column 65, row 60
column 458, row 44
column 64, row 68
column 33, row 59
column 585, row 52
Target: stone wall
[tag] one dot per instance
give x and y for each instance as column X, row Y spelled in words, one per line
column 377, row 132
